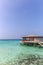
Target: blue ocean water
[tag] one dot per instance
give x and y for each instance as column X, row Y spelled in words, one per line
column 10, row 49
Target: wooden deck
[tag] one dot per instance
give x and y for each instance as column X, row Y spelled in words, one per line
column 33, row 42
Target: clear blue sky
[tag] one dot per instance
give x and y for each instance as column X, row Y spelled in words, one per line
column 20, row 17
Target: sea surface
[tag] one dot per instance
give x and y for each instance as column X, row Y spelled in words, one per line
column 10, row 50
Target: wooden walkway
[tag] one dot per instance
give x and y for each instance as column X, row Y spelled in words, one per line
column 41, row 44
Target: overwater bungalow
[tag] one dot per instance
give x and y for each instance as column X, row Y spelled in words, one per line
column 32, row 40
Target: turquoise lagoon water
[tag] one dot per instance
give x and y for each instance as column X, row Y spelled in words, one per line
column 10, row 49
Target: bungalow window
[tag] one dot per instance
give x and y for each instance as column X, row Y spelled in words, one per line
column 24, row 38
column 27, row 39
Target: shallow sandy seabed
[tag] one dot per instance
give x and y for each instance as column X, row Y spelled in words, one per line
column 26, row 59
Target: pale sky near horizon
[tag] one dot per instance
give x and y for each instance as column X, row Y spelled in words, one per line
column 20, row 17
